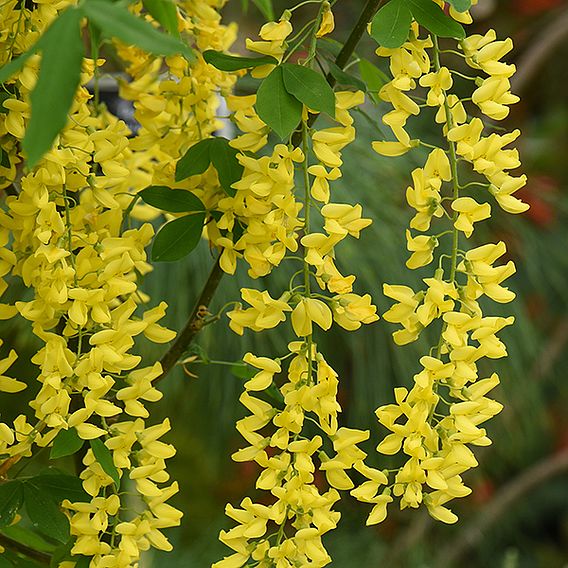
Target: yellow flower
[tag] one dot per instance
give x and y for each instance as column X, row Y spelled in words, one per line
column 422, row 248
column 327, row 24
column 307, row 311
column 469, row 212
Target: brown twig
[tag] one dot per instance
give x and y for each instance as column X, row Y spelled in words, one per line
column 195, row 323
column 511, row 492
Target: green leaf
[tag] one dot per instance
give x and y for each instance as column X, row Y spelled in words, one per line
column 61, row 553
column 60, row 486
column 178, row 238
column 164, row 12
column 224, row 158
column 4, row 158
column 309, row 87
column 82, row 561
column 116, row 21
column 432, row 17
column 66, row 443
column 373, row 77
column 460, row 5
column 276, row 106
column 344, row 78
column 266, row 8
column 104, row 456
column 172, row 200
column 330, row 45
column 11, row 499
column 4, row 96
column 195, row 161
column 226, row 62
column 44, row 514
column 27, row 536
column 57, row 83
column 391, row 24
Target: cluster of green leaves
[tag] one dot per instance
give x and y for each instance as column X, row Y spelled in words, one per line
column 282, row 94
column 391, row 25
column 39, row 498
column 62, row 52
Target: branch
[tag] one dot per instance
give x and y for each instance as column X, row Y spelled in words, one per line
column 505, row 498
column 20, row 548
column 194, row 322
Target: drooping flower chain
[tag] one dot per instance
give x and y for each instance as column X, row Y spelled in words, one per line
column 289, row 530
column 435, row 422
column 69, row 246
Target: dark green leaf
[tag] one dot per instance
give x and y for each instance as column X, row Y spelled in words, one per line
column 82, row 561
column 61, row 553
column 309, row 87
column 432, row 17
column 104, row 456
column 276, row 106
column 11, row 498
column 4, row 158
column 57, row 83
column 229, row 169
column 116, row 21
column 226, row 62
column 164, row 12
column 44, row 514
column 4, row 96
column 460, row 5
column 66, row 443
column 330, row 45
column 172, row 200
column 60, row 486
column 178, row 238
column 391, row 24
column 344, row 78
column 265, row 6
column 195, row 161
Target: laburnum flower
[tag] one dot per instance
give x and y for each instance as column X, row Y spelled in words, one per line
column 264, row 313
column 327, row 24
column 469, row 212
column 352, row 310
column 309, row 311
column 422, row 248
column 273, row 36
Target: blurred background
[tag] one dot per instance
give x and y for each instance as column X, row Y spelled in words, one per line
column 517, row 515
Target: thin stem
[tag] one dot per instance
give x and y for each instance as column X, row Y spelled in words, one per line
column 307, row 289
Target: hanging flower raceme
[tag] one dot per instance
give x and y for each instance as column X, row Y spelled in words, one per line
column 69, row 243
column 286, row 396
column 435, row 422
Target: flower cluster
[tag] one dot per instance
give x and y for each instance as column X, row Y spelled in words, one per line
column 65, row 234
column 286, row 402
column 436, row 421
